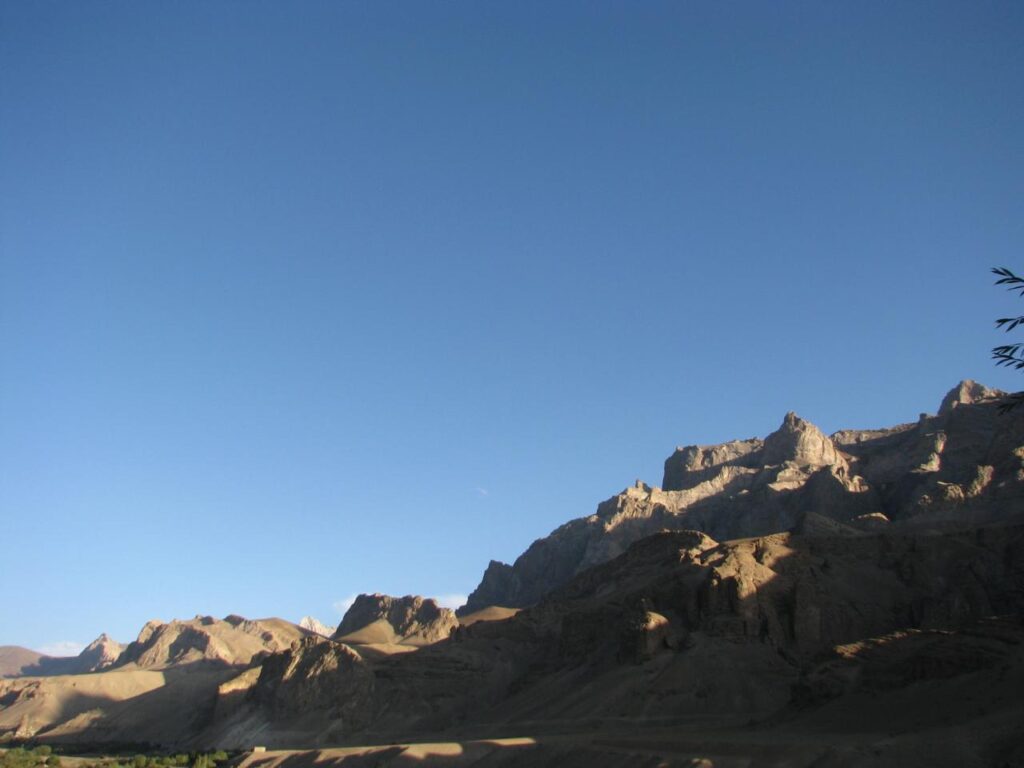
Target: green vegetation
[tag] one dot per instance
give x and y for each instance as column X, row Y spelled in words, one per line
column 180, row 760
column 43, row 757
column 1010, row 355
column 20, row 757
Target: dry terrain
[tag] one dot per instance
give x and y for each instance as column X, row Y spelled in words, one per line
column 798, row 600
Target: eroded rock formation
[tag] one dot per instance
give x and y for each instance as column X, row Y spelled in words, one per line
column 960, row 468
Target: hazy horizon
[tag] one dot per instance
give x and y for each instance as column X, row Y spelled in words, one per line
column 302, row 302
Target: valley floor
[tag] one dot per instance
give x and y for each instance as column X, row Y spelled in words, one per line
column 679, row 747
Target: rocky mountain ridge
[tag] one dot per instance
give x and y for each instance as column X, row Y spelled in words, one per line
column 228, row 642
column 863, row 591
column 961, row 467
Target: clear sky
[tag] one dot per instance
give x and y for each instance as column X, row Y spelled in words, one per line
column 299, row 300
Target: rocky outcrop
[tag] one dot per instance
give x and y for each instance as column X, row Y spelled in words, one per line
column 801, row 443
column 960, row 468
column 692, row 465
column 409, row 620
column 966, row 393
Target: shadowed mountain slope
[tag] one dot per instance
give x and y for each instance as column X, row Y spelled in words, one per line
column 678, row 626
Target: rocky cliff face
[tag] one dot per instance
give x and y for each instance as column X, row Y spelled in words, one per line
column 962, row 467
column 409, row 620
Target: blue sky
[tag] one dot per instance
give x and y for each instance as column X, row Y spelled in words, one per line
column 303, row 300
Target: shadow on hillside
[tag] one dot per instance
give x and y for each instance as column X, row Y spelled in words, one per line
column 650, row 636
column 169, row 713
column 676, row 637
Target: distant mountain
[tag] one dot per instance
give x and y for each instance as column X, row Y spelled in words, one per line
column 14, row 659
column 21, row 662
column 229, row 642
column 313, row 625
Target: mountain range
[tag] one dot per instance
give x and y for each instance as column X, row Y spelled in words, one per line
column 801, row 599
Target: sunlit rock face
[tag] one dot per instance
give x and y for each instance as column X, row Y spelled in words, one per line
column 966, row 393
column 315, row 626
column 801, row 443
column 958, row 468
column 409, row 620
